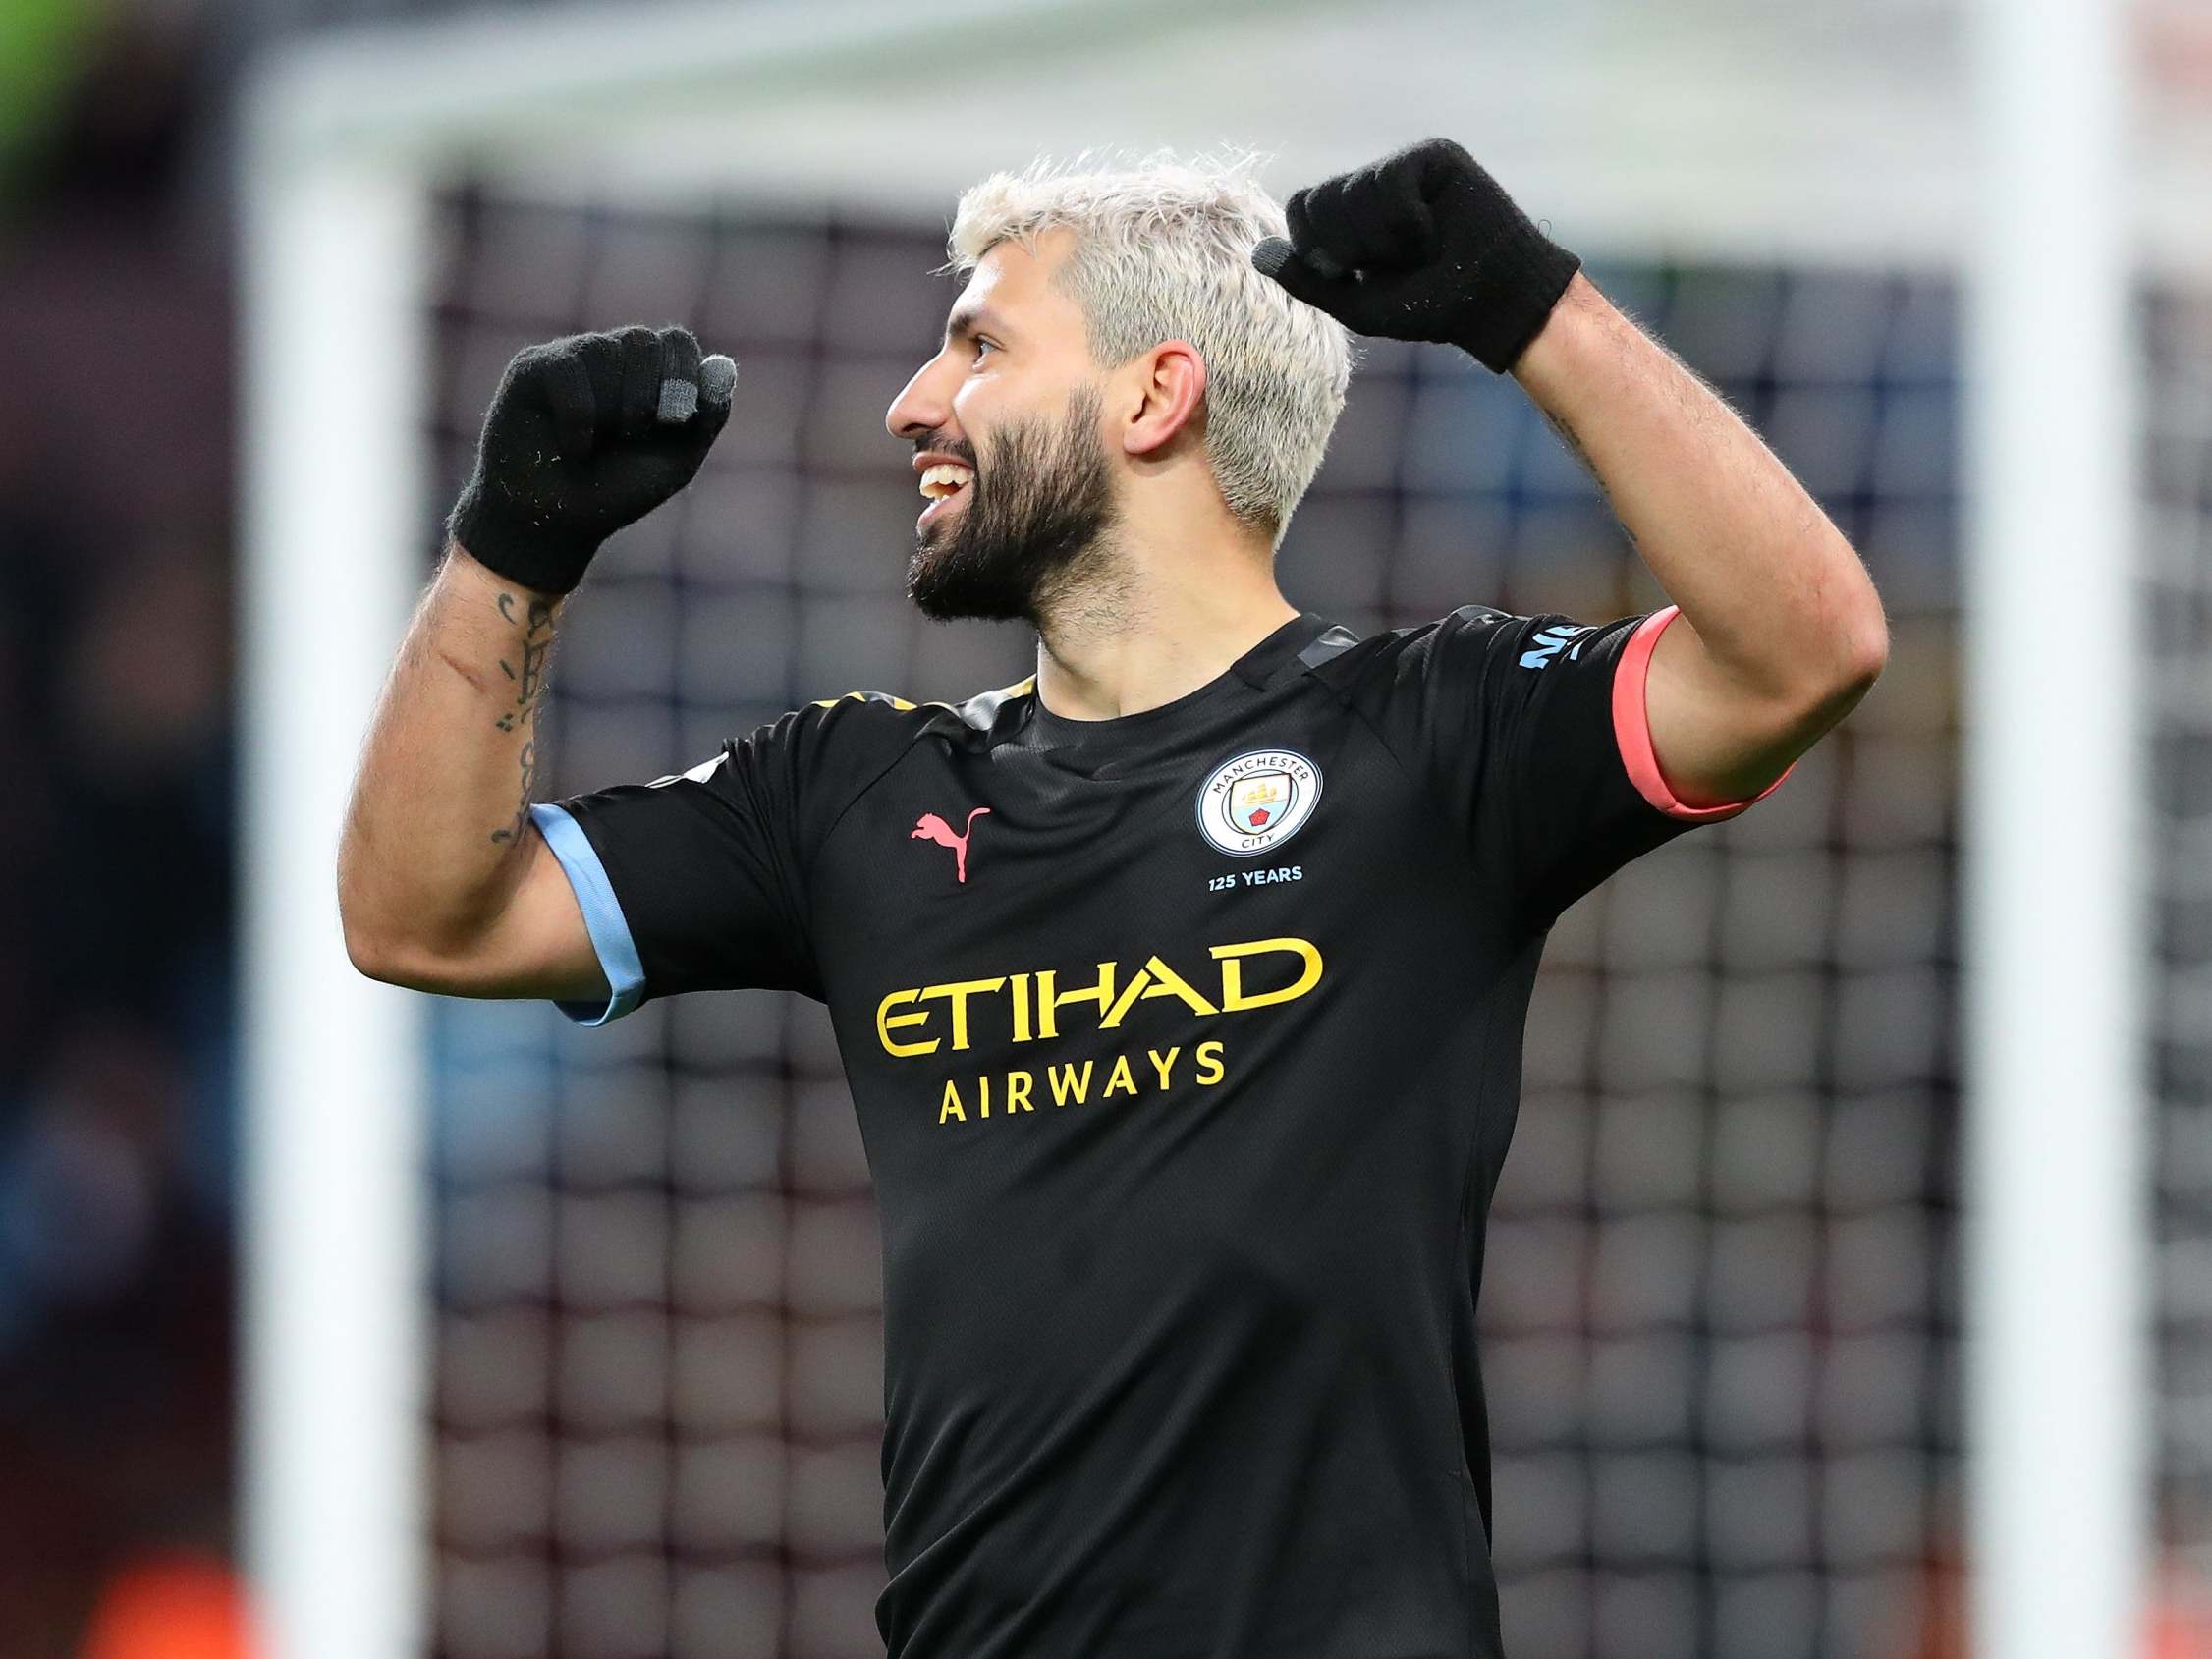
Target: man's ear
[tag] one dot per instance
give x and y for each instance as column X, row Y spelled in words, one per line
column 1170, row 384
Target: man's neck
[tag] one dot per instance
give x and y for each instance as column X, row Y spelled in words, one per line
column 1141, row 632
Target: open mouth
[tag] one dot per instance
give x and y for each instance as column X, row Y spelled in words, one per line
column 946, row 481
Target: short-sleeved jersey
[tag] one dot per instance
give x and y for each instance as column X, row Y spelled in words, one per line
column 1186, row 1048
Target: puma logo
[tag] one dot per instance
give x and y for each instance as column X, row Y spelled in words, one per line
column 930, row 827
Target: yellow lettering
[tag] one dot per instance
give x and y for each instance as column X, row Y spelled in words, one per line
column 1049, row 999
column 1037, row 998
column 984, row 1084
column 886, row 1022
column 1112, row 1017
column 1154, row 979
column 950, row 1106
column 959, row 991
column 1017, row 1091
column 1123, row 1078
column 1163, row 1063
column 1231, row 957
column 1067, row 1084
column 1204, row 1060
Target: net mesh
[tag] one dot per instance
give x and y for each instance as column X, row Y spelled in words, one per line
column 1719, row 1317
column 2178, row 538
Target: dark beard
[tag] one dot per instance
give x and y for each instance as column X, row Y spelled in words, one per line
column 1040, row 502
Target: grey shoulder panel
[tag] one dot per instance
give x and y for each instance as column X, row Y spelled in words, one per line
column 1333, row 642
column 980, row 712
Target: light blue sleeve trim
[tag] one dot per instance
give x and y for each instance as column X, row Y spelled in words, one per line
column 602, row 918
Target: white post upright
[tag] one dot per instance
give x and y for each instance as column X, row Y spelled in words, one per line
column 2055, row 975
column 333, row 1349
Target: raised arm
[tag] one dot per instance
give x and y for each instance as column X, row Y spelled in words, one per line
column 444, row 883
column 1780, row 631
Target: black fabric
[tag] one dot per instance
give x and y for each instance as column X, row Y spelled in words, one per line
column 1186, row 1365
column 585, row 434
column 1514, row 761
column 1423, row 245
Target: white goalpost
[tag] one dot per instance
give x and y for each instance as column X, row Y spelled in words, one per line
column 2057, row 902
column 1993, row 151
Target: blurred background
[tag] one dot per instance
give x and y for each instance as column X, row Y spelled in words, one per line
column 1724, row 1309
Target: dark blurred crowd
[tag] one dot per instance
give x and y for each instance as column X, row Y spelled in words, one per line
column 117, row 1104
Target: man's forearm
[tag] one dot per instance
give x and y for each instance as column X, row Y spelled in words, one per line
column 1776, row 594
column 440, row 801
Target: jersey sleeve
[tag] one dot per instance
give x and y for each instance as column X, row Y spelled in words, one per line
column 696, row 881
column 1533, row 731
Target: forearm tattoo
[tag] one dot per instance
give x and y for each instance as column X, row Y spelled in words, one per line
column 526, row 675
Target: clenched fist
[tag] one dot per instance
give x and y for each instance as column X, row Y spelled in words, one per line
column 1423, row 245
column 585, row 435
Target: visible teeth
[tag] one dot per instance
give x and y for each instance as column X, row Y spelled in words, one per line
column 942, row 479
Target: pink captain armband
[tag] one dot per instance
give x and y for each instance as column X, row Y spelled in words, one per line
column 1632, row 729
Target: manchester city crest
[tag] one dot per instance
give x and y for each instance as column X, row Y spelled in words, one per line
column 1258, row 800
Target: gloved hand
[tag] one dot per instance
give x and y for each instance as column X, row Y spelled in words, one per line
column 585, row 434
column 1423, row 246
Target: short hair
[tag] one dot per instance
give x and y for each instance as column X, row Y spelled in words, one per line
column 1163, row 251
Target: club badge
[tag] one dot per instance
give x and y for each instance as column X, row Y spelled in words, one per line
column 1258, row 800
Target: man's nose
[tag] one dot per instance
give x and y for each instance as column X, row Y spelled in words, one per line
column 920, row 410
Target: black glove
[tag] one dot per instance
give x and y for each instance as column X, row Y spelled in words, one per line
column 1423, row 246
column 585, row 434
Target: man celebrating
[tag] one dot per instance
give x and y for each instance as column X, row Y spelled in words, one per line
column 1181, row 987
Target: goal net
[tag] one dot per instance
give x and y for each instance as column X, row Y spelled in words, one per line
column 1718, row 1324
column 568, row 1343
column 2176, row 343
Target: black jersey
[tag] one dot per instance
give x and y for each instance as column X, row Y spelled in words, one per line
column 1186, row 1048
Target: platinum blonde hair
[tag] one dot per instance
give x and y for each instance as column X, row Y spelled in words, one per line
column 1163, row 251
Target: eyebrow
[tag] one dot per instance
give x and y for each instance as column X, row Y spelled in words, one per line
column 968, row 320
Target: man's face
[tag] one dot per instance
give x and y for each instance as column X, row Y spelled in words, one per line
column 1005, row 420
